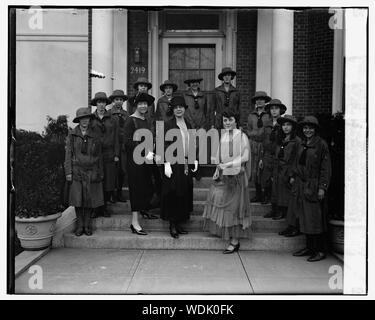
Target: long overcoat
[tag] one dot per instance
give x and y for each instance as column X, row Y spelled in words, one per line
column 224, row 99
column 177, row 191
column 256, row 136
column 83, row 160
column 271, row 136
column 283, row 170
column 120, row 116
column 106, row 128
column 309, row 178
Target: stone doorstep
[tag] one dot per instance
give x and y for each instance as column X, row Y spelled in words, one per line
column 66, row 223
column 194, row 241
column 26, row 259
column 198, row 207
column 195, row 223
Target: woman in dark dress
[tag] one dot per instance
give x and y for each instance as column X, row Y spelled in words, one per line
column 139, row 175
column 177, row 182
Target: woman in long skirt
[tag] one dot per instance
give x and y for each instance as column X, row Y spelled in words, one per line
column 227, row 211
column 312, row 175
column 84, row 169
column 139, row 175
column 177, row 181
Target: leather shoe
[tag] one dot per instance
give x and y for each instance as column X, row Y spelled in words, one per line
column 302, row 252
column 180, row 230
column 269, row 215
column 292, row 233
column 79, row 232
column 88, row 231
column 278, row 217
column 236, row 247
column 317, row 256
column 173, row 232
column 285, row 231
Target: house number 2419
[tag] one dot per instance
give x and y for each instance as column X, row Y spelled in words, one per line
column 137, row 69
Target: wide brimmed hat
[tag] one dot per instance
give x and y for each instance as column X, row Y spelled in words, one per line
column 260, row 94
column 100, row 96
column 118, row 94
column 82, row 113
column 278, row 103
column 311, row 120
column 287, row 118
column 225, row 71
column 143, row 96
column 178, row 101
column 142, row 80
column 194, row 78
column 168, row 83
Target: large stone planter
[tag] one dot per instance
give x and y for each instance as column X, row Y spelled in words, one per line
column 336, row 234
column 36, row 233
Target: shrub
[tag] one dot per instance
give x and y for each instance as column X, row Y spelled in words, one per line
column 38, row 170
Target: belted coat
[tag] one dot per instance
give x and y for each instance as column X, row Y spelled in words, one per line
column 84, row 161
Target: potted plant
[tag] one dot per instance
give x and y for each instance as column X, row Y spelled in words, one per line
column 38, row 176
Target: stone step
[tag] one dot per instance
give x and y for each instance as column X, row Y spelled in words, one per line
column 198, row 206
column 199, row 194
column 104, row 239
column 195, row 224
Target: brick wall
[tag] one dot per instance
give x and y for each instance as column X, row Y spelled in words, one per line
column 313, row 63
column 246, row 58
column 137, row 37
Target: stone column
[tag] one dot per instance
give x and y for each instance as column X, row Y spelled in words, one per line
column 264, row 47
column 120, row 49
column 153, row 73
column 102, row 49
column 338, row 62
column 282, row 57
column 230, row 40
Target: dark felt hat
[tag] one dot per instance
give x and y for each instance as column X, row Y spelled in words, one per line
column 178, row 101
column 100, row 96
column 278, row 103
column 142, row 80
column 194, row 78
column 118, row 94
column 168, row 83
column 143, row 96
column 225, row 71
column 311, row 120
column 82, row 113
column 287, row 118
column 260, row 94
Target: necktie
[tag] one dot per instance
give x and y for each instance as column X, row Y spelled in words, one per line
column 302, row 159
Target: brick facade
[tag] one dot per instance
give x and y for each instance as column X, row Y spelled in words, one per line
column 247, row 21
column 313, row 63
column 137, row 37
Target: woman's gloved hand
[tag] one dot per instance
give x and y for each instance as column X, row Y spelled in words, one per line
column 168, row 169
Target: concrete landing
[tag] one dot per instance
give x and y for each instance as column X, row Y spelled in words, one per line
column 113, row 271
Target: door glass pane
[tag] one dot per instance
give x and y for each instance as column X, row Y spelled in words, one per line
column 176, row 57
column 187, row 61
column 192, row 58
column 207, row 58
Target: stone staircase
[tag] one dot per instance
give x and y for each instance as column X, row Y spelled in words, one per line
column 114, row 232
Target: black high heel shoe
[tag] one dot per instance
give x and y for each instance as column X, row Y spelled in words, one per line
column 140, row 232
column 235, row 248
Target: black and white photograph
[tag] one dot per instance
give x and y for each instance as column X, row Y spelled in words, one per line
column 188, row 150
